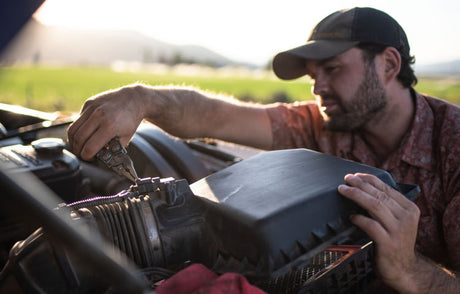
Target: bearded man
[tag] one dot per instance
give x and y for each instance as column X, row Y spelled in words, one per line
column 366, row 110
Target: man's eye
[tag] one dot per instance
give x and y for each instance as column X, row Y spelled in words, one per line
column 330, row 69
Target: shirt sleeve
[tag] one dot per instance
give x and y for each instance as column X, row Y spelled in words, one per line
column 450, row 150
column 451, row 227
column 294, row 125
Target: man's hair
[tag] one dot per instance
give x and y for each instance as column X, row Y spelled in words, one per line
column 406, row 75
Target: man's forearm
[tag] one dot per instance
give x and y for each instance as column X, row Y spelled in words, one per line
column 190, row 113
column 428, row 277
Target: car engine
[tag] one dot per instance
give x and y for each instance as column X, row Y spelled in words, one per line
column 69, row 226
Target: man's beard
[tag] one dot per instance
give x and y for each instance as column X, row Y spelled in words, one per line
column 369, row 99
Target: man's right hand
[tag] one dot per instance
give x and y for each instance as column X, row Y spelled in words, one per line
column 104, row 116
column 182, row 112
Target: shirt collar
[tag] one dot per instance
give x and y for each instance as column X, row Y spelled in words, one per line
column 416, row 145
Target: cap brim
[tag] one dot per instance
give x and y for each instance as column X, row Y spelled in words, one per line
column 289, row 65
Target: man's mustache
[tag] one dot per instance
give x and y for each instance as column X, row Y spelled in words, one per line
column 329, row 98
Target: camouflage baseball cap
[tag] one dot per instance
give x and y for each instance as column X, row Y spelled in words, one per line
column 338, row 33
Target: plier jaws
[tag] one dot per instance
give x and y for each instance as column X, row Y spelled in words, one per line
column 115, row 157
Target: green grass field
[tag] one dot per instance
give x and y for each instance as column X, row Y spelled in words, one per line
column 65, row 89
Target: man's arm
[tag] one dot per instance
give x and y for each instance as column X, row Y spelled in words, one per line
column 393, row 227
column 182, row 112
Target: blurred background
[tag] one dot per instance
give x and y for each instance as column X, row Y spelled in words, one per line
column 73, row 49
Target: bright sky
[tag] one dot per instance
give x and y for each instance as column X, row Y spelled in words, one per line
column 255, row 30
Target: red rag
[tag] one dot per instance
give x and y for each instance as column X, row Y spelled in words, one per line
column 198, row 279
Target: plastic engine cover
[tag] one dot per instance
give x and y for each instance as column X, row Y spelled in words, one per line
column 276, row 206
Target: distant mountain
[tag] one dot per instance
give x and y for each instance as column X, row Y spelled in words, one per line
column 38, row 43
column 451, row 68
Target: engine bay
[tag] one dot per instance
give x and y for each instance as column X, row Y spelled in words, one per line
column 275, row 217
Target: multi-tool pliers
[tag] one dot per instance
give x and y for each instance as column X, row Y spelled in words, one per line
column 115, row 157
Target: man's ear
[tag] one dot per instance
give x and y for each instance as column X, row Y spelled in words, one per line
column 392, row 63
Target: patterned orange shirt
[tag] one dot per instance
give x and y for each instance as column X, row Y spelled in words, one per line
column 429, row 156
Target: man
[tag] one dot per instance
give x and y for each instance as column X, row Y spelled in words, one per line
column 366, row 110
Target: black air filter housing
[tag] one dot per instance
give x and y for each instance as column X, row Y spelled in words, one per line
column 271, row 209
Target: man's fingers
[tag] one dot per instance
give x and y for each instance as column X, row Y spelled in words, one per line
column 380, row 185
column 374, row 195
column 81, row 136
column 371, row 227
column 362, row 183
column 95, row 143
column 377, row 208
column 91, row 132
column 74, row 133
column 383, row 203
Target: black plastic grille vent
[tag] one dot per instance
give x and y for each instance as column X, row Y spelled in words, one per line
column 339, row 269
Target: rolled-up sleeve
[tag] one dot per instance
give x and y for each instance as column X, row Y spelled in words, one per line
column 293, row 125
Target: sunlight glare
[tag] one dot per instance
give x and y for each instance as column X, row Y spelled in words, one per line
column 253, row 31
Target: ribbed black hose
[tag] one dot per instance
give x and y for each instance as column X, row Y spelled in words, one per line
column 123, row 224
column 34, row 200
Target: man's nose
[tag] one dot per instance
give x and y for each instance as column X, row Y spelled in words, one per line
column 320, row 85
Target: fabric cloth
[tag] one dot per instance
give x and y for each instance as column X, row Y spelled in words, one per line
column 198, row 279
column 428, row 156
